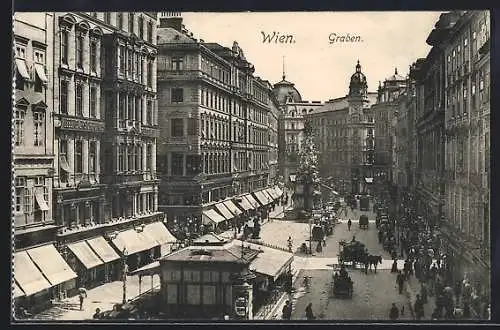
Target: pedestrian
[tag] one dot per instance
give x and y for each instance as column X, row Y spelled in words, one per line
column 349, row 223
column 81, row 297
column 423, row 292
column 394, row 312
column 402, row 310
column 287, row 311
column 394, row 268
column 97, row 314
column 309, row 312
column 400, row 281
column 419, row 308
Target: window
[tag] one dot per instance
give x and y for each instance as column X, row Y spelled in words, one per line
column 149, row 112
column 19, row 126
column 64, row 46
column 93, row 56
column 131, row 22
column 192, row 128
column 150, row 32
column 92, row 156
column 177, row 127
column 138, row 109
column 20, row 191
column 474, row 35
column 466, row 42
column 149, row 157
column 130, row 62
column 121, row 59
column 38, row 128
column 177, row 95
column 79, row 51
column 177, row 164
column 177, row 63
column 21, row 51
column 138, row 157
column 93, row 102
column 130, row 158
column 78, row 156
column 121, row 158
column 130, row 108
column 79, row 100
column 150, row 73
column 39, row 57
column 141, row 27
column 63, row 157
column 64, row 97
column 119, row 20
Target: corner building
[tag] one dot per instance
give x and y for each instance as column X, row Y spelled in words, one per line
column 105, row 137
column 214, row 142
column 344, row 129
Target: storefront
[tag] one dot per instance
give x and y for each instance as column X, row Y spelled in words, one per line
column 42, row 274
column 136, row 246
column 226, row 213
column 213, row 220
column 87, row 264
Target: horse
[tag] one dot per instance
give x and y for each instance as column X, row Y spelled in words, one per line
column 372, row 260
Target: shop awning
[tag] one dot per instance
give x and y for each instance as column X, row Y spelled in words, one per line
column 22, row 69
column 102, row 248
column 262, row 198
column 268, row 195
column 148, row 270
column 212, row 216
column 369, row 180
column 40, row 72
column 278, row 191
column 270, row 262
column 232, row 207
column 52, row 264
column 133, row 242
column 40, row 200
column 63, row 163
column 272, row 193
column 16, row 291
column 158, row 232
column 224, row 211
column 245, row 204
column 252, row 201
column 27, row 275
column 85, row 254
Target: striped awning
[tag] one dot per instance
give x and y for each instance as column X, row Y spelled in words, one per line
column 232, row 207
column 224, row 211
column 84, row 253
column 262, row 198
column 252, row 201
column 52, row 264
column 212, row 216
column 27, row 275
column 102, row 248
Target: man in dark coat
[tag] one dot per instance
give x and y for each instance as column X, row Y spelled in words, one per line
column 394, row 313
column 287, row 311
column 309, row 312
column 400, row 281
column 419, row 308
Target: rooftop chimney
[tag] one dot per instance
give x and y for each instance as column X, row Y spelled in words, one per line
column 171, row 22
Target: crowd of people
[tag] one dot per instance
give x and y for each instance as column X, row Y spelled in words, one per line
column 419, row 244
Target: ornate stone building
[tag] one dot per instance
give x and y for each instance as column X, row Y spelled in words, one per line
column 344, row 129
column 466, row 215
column 290, row 136
column 214, row 143
column 385, row 112
column 105, row 185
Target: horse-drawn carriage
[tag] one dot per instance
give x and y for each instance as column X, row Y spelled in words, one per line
column 342, row 284
column 363, row 221
column 353, row 252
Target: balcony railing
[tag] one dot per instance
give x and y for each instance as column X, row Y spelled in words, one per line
column 82, row 180
column 128, row 177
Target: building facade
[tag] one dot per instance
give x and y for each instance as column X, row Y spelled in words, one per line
column 344, row 132
column 105, row 139
column 273, row 129
column 385, row 111
column 33, row 216
column 291, row 124
column 466, row 217
column 215, row 128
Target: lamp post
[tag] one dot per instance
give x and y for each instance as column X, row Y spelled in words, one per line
column 125, row 271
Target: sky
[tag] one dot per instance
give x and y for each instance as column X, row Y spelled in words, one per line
column 321, row 70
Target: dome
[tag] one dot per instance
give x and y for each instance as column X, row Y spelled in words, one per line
column 358, row 76
column 285, row 91
column 358, row 85
column 396, row 76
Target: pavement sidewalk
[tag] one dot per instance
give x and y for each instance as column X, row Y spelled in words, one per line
column 103, row 297
column 412, row 288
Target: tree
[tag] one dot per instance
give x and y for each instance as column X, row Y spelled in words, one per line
column 307, row 193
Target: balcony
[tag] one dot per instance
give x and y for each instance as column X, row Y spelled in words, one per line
column 77, row 181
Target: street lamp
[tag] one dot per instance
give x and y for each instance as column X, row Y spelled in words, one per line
column 125, row 271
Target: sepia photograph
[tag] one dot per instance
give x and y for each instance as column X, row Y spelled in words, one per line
column 247, row 166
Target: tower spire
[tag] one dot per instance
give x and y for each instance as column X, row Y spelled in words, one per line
column 283, row 76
